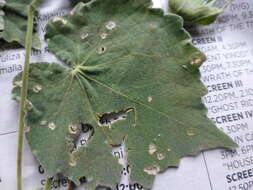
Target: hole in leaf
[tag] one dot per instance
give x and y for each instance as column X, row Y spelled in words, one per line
column 82, row 180
column 86, row 127
column 86, row 132
column 107, row 119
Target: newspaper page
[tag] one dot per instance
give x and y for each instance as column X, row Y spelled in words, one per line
column 227, row 74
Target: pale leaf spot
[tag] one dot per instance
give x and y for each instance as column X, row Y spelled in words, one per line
column 60, row 19
column 152, row 148
column 51, row 125
column 196, row 61
column 101, row 50
column 84, row 36
column 37, row 88
column 153, row 27
column 103, row 36
column 29, row 106
column 27, row 129
column 43, row 122
column 17, row 98
column 18, row 83
column 72, row 161
column 90, row 179
column 160, row 156
column 152, row 170
column 150, row 99
column 110, row 25
column 184, row 66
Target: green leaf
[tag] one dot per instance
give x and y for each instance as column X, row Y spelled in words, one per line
column 2, row 2
column 15, row 22
column 1, row 23
column 196, row 11
column 132, row 74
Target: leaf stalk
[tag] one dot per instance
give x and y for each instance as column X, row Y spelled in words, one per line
column 23, row 100
column 49, row 183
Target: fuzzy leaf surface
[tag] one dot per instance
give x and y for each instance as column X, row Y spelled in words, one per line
column 196, row 11
column 132, row 74
column 14, row 20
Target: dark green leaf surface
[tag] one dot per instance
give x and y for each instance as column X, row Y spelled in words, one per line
column 15, row 22
column 196, row 11
column 132, row 74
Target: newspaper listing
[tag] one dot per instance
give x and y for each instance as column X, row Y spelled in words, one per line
column 227, row 74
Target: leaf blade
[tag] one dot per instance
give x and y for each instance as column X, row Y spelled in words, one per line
column 197, row 11
column 15, row 23
column 134, row 77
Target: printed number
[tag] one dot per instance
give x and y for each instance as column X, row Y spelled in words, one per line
column 232, row 188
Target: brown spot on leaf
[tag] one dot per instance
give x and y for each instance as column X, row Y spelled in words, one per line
column 73, row 129
column 190, row 132
column 72, row 160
